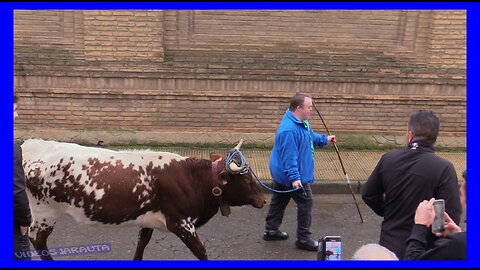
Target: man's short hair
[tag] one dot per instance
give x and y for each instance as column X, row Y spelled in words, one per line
column 374, row 252
column 424, row 125
column 297, row 100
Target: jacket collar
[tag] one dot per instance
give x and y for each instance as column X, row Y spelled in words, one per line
column 417, row 145
column 293, row 117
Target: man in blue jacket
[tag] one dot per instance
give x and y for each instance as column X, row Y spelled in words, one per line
column 292, row 166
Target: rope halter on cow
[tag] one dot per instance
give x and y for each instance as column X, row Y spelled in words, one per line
column 217, row 191
column 236, row 162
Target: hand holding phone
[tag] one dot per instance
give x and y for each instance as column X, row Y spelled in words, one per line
column 439, row 220
column 450, row 227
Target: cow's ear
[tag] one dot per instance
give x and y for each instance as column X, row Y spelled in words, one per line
column 223, row 177
column 215, row 156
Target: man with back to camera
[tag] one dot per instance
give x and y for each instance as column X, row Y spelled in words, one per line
column 403, row 178
column 21, row 208
column 292, row 166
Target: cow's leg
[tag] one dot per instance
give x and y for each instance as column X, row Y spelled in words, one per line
column 185, row 230
column 38, row 237
column 144, row 236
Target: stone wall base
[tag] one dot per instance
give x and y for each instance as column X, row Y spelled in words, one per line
column 112, row 137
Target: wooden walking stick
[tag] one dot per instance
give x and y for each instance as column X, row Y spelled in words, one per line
column 341, row 162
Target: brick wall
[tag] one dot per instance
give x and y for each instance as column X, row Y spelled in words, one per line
column 215, row 71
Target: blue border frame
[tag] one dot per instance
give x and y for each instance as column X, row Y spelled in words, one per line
column 6, row 17
column 241, row 5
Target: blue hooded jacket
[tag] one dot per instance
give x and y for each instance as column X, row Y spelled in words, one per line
column 292, row 155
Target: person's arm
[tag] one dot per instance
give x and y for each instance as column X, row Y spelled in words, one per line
column 319, row 140
column 451, row 247
column 417, row 242
column 372, row 191
column 22, row 213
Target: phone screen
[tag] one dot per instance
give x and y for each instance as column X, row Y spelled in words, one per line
column 333, row 248
column 439, row 220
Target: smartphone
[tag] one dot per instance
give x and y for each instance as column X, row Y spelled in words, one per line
column 331, row 248
column 439, row 220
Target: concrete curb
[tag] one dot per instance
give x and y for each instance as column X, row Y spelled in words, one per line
column 336, row 187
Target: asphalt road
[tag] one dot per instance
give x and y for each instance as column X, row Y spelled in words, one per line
column 237, row 237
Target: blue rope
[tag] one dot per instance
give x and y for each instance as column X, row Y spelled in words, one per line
column 275, row 190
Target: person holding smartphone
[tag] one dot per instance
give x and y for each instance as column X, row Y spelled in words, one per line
column 405, row 177
column 453, row 246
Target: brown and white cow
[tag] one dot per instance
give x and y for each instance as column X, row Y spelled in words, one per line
column 153, row 190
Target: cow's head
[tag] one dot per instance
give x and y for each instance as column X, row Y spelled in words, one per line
column 236, row 180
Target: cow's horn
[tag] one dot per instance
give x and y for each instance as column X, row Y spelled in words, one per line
column 239, row 145
column 234, row 167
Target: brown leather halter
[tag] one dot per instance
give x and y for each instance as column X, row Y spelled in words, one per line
column 217, row 191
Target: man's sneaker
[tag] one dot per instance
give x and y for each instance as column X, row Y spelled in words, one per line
column 308, row 244
column 270, row 235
